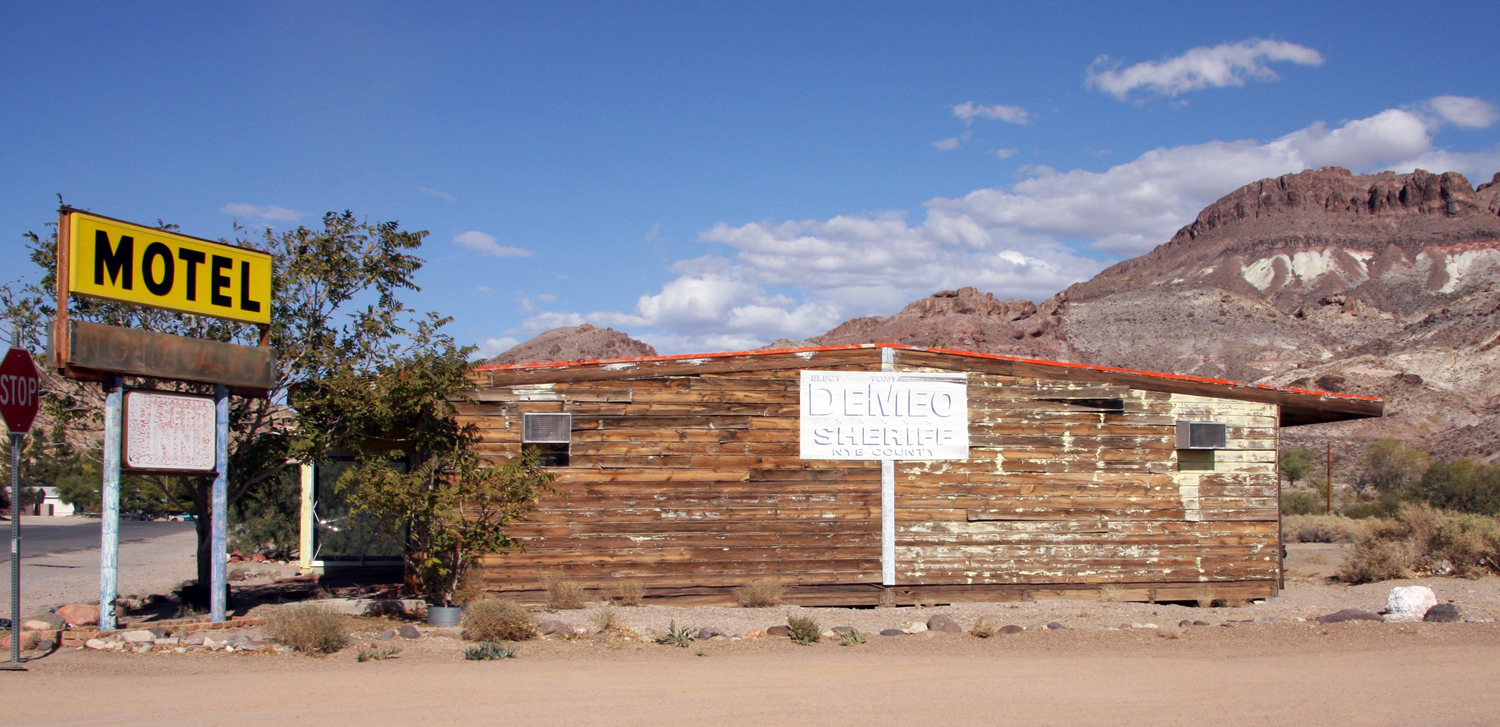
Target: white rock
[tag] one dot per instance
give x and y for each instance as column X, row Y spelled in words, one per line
column 1409, row 603
column 138, row 637
column 96, row 644
column 916, row 627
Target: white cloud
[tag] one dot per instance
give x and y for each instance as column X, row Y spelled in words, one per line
column 794, row 279
column 1005, row 153
column 948, row 144
column 968, row 111
column 546, row 297
column 1229, row 64
column 654, row 233
column 436, row 193
column 492, row 347
column 476, row 240
column 268, row 213
column 1474, row 113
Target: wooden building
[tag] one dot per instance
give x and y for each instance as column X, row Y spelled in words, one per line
column 685, row 474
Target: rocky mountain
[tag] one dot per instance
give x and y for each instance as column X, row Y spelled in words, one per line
column 1385, row 284
column 576, row 343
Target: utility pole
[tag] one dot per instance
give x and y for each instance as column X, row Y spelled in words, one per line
column 1328, row 472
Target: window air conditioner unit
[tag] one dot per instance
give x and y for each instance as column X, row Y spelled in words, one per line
column 547, row 429
column 1201, row 435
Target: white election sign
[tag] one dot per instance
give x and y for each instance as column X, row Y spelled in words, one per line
column 887, row 416
column 168, row 432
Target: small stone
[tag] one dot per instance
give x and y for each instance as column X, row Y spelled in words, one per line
column 1055, row 626
column 79, row 614
column 180, row 650
column 1012, row 629
column 779, row 630
column 1349, row 614
column 136, row 637
column 96, row 644
column 1267, row 619
column 46, row 645
column 194, row 639
column 892, row 632
column 210, row 644
column 709, row 632
column 1229, row 624
column 169, row 641
column 54, row 622
column 386, row 635
column 409, row 631
column 1443, row 613
column 160, row 632
column 238, row 640
column 142, row 649
column 1185, row 623
column 916, row 627
column 753, row 634
column 36, row 625
column 553, row 627
column 943, row 623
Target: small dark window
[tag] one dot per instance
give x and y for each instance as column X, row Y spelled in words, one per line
column 549, row 436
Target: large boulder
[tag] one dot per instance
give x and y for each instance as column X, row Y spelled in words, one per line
column 1444, row 613
column 1409, row 603
column 79, row 614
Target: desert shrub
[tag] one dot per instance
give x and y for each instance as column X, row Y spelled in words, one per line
column 674, row 636
column 489, row 651
column 629, row 593
column 803, row 630
column 1371, row 560
column 852, row 637
column 1320, row 529
column 376, row 653
column 494, row 619
column 308, row 628
column 1302, row 502
column 609, row 624
column 1386, row 506
column 760, row 594
column 1462, row 486
column 1203, row 596
column 1390, row 465
column 562, row 592
column 984, row 628
column 1111, row 593
column 1469, row 544
column 470, row 587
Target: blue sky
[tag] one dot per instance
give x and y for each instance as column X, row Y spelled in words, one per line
column 716, row 176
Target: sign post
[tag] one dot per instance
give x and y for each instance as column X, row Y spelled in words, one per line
column 19, row 385
column 115, row 260
column 886, row 416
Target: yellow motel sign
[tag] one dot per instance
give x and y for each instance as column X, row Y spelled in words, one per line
column 115, row 260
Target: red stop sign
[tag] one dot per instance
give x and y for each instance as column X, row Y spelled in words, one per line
column 20, row 390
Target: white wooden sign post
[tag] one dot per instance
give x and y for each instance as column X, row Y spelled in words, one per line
column 886, row 416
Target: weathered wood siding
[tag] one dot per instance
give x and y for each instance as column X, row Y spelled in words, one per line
column 689, row 477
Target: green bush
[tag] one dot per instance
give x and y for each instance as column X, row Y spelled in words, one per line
column 308, row 627
column 675, row 636
column 804, row 630
column 489, row 651
column 494, row 619
column 1303, row 502
column 1462, row 486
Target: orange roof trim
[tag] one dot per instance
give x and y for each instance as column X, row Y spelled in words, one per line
column 903, row 347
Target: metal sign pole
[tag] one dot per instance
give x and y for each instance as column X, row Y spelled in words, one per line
column 109, row 504
column 15, row 548
column 219, row 505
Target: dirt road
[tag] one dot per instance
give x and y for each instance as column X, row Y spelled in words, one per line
column 1366, row 674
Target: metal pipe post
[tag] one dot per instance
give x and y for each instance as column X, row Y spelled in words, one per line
column 219, row 506
column 109, row 502
column 15, row 548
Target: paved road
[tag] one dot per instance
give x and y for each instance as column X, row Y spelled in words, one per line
column 49, row 538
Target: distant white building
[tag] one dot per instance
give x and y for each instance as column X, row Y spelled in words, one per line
column 52, row 504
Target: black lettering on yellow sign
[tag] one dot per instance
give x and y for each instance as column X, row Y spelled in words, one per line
column 108, row 257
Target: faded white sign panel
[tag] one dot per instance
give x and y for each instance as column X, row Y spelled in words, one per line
column 869, row 415
column 168, row 432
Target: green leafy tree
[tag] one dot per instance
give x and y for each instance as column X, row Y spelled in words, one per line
column 337, row 323
column 1464, row 486
column 1296, row 463
column 1390, row 466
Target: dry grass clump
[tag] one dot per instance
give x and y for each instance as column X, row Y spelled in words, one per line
column 609, row 624
column 1203, row 596
column 1322, row 529
column 563, row 594
column 760, row 594
column 494, row 619
column 803, row 630
column 308, row 627
column 1110, row 593
column 984, row 628
column 470, row 587
column 1422, row 540
column 628, row 592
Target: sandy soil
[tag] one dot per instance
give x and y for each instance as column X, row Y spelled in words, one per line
column 1281, row 672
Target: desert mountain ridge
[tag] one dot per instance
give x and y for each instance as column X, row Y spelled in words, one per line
column 1381, row 284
